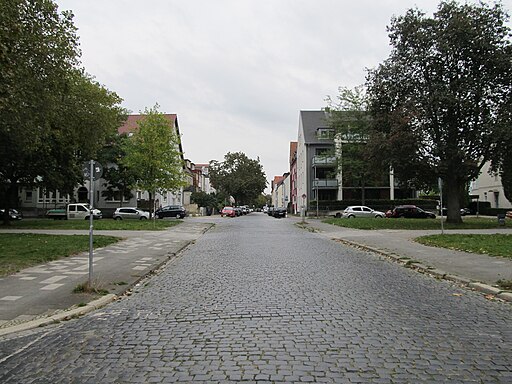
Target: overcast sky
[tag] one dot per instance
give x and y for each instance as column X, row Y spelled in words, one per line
column 236, row 72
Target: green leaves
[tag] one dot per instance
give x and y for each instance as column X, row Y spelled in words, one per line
column 238, row 176
column 441, row 101
column 153, row 153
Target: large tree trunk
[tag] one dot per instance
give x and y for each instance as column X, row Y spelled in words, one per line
column 11, row 196
column 452, row 188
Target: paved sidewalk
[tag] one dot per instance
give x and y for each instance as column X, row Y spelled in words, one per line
column 462, row 267
column 47, row 290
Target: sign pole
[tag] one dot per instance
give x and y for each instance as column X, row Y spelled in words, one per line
column 440, row 182
column 91, row 220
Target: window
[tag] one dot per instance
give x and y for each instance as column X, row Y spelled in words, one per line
column 325, row 133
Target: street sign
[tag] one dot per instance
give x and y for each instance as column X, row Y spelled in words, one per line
column 97, row 170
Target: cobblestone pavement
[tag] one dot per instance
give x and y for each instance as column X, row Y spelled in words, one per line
column 258, row 300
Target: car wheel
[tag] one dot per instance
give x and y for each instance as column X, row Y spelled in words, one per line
column 378, row 216
column 178, row 216
column 351, row 216
column 338, row 215
column 118, row 218
column 143, row 218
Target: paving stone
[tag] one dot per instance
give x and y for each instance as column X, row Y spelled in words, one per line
column 276, row 304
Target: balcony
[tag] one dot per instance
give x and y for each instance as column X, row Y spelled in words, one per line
column 323, row 161
column 325, row 184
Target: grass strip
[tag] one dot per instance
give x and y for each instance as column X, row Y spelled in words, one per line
column 417, row 224
column 23, row 250
column 492, row 244
column 103, row 224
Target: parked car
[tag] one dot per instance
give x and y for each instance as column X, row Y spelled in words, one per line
column 176, row 211
column 13, row 214
column 130, row 213
column 279, row 212
column 357, row 211
column 270, row 211
column 410, row 211
column 463, row 212
column 228, row 212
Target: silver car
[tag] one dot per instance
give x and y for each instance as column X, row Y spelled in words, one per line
column 130, row 213
column 362, row 211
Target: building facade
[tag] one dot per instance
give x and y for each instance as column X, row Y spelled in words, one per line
column 488, row 187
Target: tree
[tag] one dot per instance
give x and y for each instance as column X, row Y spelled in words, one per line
column 238, row 176
column 119, row 179
column 204, row 199
column 352, row 124
column 441, row 103
column 53, row 115
column 153, row 155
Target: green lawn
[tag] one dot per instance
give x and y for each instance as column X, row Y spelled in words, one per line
column 493, row 245
column 423, row 224
column 23, row 250
column 103, row 224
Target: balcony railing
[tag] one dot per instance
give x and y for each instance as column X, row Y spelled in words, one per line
column 323, row 161
column 325, row 183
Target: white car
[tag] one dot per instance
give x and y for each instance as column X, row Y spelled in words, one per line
column 130, row 213
column 358, row 211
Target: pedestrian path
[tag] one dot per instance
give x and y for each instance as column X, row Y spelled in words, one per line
column 47, row 289
column 464, row 267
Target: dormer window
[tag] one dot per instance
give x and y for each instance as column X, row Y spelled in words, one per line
column 325, row 133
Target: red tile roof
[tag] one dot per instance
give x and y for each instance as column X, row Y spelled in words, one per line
column 293, row 150
column 131, row 122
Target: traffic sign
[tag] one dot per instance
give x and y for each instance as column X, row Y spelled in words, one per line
column 97, row 170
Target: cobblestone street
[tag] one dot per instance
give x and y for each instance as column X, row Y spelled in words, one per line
column 258, row 300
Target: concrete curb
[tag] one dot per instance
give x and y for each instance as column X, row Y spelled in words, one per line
column 436, row 273
column 62, row 316
column 69, row 314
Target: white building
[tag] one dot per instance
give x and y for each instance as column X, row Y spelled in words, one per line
column 488, row 187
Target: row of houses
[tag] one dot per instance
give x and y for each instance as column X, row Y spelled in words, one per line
column 314, row 174
column 36, row 201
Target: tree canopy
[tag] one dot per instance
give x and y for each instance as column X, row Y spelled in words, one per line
column 153, row 154
column 441, row 103
column 53, row 116
column 349, row 117
column 238, row 176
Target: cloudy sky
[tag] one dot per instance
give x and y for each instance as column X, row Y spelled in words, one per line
column 236, row 72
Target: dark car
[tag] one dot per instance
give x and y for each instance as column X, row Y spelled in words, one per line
column 13, row 214
column 463, row 211
column 176, row 211
column 279, row 212
column 410, row 211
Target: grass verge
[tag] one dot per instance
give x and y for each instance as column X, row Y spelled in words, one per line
column 418, row 224
column 23, row 250
column 492, row 245
column 103, row 224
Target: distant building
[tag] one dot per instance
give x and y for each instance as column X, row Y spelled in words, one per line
column 488, row 187
column 319, row 177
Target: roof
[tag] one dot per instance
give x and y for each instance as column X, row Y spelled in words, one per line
column 131, row 123
column 293, row 151
column 310, row 121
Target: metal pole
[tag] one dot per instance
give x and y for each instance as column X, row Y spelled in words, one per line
column 91, row 197
column 440, row 181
